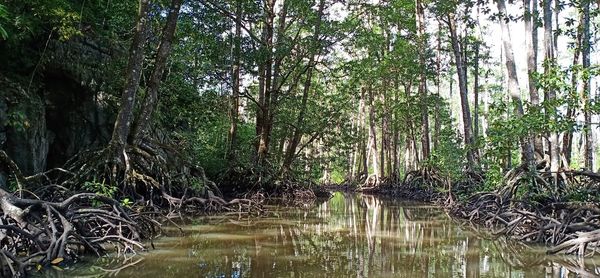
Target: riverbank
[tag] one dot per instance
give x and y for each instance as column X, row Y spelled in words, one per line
column 53, row 218
column 351, row 234
column 559, row 223
column 94, row 223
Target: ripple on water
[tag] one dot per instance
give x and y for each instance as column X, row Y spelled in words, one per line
column 223, row 237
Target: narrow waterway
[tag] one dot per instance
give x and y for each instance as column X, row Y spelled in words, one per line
column 351, row 235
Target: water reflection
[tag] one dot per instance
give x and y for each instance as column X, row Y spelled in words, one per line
column 348, row 236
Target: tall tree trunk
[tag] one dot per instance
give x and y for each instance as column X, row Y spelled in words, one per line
column 386, row 135
column 568, row 137
column 437, row 121
column 462, row 84
column 589, row 147
column 260, row 115
column 383, row 147
column 385, row 129
column 476, row 80
column 513, row 82
column 385, row 165
column 235, row 94
column 408, row 157
column 420, row 20
column 395, row 137
column 162, row 55
column 276, row 62
column 363, row 136
column 556, row 10
column 355, row 148
column 263, row 127
column 550, row 93
column 388, row 147
column 531, row 42
column 395, row 158
column 476, row 92
column 485, row 101
column 132, row 81
column 314, row 51
column 373, row 133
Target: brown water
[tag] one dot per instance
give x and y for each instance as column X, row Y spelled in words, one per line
column 347, row 236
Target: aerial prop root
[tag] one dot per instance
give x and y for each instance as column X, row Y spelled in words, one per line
column 36, row 233
column 570, row 227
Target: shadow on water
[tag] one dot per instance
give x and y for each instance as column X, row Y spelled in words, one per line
column 348, row 236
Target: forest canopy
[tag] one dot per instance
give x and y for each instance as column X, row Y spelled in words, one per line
column 334, row 90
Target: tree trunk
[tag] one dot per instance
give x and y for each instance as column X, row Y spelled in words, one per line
column 589, row 147
column 568, row 137
column 262, row 121
column 373, row 133
column 437, row 121
column 235, row 94
column 513, row 82
column 132, row 81
column 395, row 135
column 275, row 72
column 476, row 92
column 531, row 42
column 388, row 147
column 476, row 80
column 396, row 162
column 383, row 148
column 364, row 138
column 315, row 49
column 462, row 84
column 550, row 93
column 162, row 54
column 420, row 20
column 386, row 134
column 355, row 149
column 556, row 10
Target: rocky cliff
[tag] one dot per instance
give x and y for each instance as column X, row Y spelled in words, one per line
column 61, row 111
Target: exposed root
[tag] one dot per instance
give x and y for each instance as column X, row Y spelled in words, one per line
column 150, row 173
column 371, row 181
column 40, row 233
column 45, row 223
column 295, row 193
column 426, row 177
column 420, row 185
column 263, row 184
column 572, row 228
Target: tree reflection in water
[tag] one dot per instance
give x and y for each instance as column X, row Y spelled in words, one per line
column 348, row 236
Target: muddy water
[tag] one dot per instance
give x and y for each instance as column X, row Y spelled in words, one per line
column 347, row 236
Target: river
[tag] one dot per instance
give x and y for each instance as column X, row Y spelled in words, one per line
column 350, row 235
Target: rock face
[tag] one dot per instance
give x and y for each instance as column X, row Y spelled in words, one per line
column 23, row 132
column 76, row 119
column 60, row 115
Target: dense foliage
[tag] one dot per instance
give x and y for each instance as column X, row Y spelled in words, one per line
column 330, row 91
